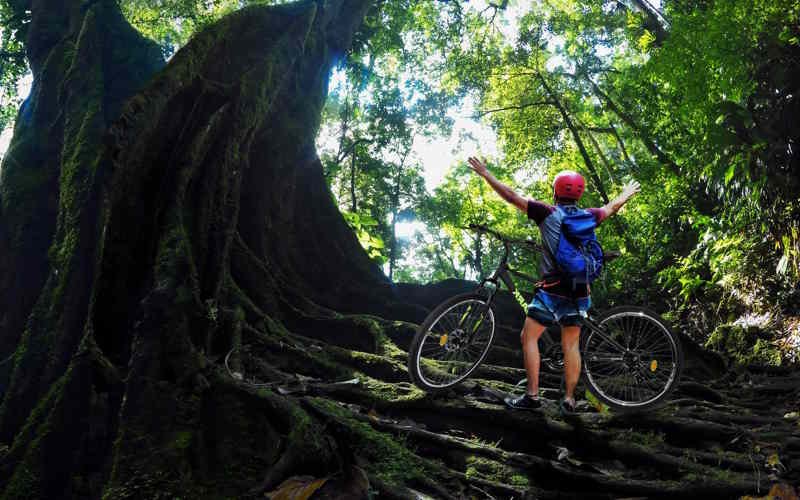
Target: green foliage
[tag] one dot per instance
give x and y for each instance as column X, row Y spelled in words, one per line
column 716, row 93
column 361, row 225
column 464, row 199
column 376, row 110
column 697, row 107
column 598, row 405
column 13, row 64
column 746, row 345
column 171, row 23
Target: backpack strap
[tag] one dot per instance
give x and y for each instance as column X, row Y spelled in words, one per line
column 546, row 284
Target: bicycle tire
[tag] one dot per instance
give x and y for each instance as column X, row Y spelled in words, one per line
column 414, row 351
column 674, row 360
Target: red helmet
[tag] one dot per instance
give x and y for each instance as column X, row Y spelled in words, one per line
column 569, row 185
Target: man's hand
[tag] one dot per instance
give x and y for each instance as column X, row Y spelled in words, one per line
column 478, row 166
column 505, row 192
column 630, row 189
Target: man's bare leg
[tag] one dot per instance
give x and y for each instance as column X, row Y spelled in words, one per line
column 572, row 359
column 531, row 332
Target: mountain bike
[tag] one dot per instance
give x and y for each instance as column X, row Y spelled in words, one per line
column 631, row 358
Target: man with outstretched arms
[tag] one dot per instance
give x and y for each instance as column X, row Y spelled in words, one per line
column 558, row 301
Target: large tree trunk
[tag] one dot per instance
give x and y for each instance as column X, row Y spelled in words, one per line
column 136, row 248
column 161, row 218
column 85, row 64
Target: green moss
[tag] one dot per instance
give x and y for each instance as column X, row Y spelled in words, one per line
column 28, row 479
column 519, row 480
column 274, row 327
column 492, row 470
column 388, row 348
column 649, row 439
column 373, row 364
column 151, row 464
column 24, row 484
column 745, row 345
column 385, row 457
column 598, row 405
column 713, row 475
column 183, row 295
column 393, row 392
column 183, row 440
column 171, row 252
column 84, row 124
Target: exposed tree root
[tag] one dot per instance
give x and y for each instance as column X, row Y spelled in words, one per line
column 637, row 443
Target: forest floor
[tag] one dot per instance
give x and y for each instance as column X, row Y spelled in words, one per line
column 733, row 436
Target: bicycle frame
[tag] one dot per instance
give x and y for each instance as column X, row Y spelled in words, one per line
column 503, row 274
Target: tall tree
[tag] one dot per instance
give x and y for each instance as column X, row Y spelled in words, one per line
column 212, row 161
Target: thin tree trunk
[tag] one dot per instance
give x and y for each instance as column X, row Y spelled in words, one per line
column 656, row 20
column 478, row 255
column 396, row 208
column 643, row 135
column 621, row 144
column 577, row 137
column 619, row 224
column 601, row 154
column 353, row 203
column 393, row 237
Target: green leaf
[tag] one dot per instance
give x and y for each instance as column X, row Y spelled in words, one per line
column 729, row 173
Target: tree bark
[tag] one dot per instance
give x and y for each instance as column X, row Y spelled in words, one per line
column 212, row 165
column 51, row 188
column 393, row 225
column 353, row 203
column 655, row 20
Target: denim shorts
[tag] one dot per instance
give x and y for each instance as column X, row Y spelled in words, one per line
column 549, row 309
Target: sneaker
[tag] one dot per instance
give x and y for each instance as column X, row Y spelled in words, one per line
column 526, row 402
column 566, row 407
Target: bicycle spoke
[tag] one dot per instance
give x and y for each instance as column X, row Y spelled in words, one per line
column 456, row 342
column 449, row 323
column 656, row 341
column 626, row 329
column 608, row 358
column 474, row 349
column 435, row 353
column 639, row 374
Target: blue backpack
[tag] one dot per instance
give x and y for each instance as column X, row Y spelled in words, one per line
column 579, row 255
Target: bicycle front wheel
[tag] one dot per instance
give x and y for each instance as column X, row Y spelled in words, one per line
column 451, row 343
column 634, row 361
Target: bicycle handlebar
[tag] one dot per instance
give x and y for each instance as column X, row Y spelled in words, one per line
column 505, row 239
column 480, row 228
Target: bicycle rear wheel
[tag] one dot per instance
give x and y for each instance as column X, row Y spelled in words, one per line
column 635, row 363
column 451, row 343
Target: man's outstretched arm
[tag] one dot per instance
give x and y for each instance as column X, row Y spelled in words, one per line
column 504, row 191
column 628, row 191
